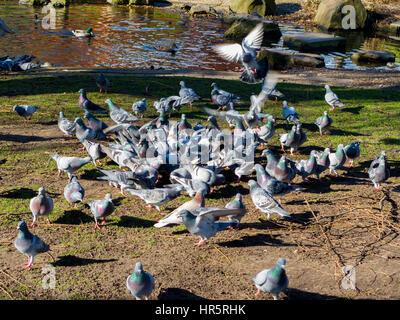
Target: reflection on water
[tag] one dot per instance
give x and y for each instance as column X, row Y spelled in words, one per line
column 126, row 37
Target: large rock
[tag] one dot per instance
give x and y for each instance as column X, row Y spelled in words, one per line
column 373, row 57
column 313, row 41
column 241, row 28
column 262, row 7
column 282, row 59
column 395, row 28
column 329, row 15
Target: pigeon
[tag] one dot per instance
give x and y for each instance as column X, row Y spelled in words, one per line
column 87, row 105
column 25, row 111
column 66, row 126
column 95, row 151
column 139, row 107
column 307, row 167
column 267, row 131
column 379, row 171
column 41, row 205
column 188, row 93
column 290, row 139
column 157, row 197
column 246, row 53
column 352, row 151
column 94, row 123
column 332, row 99
column 184, row 124
column 264, row 201
column 289, row 113
column 69, row 164
column 29, row 244
column 323, row 122
column 119, row 115
column 203, row 223
column 222, row 98
column 140, row 283
column 337, row 159
column 73, row 191
column 322, row 161
column 101, row 208
column 192, row 186
column 103, row 83
column 271, row 161
column 272, row 280
column 236, row 203
column 173, row 217
column 269, row 87
column 244, row 169
column 82, row 132
column 272, row 185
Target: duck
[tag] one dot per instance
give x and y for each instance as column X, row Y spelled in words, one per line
column 83, row 34
column 167, row 48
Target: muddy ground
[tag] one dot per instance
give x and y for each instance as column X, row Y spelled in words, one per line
column 341, row 224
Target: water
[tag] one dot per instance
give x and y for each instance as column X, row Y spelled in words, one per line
column 125, row 38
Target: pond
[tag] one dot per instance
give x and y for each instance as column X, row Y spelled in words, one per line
column 126, row 37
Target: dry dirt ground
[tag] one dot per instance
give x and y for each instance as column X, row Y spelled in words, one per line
column 337, row 222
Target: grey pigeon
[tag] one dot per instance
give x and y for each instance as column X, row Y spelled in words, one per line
column 264, row 201
column 352, row 151
column 221, row 97
column 289, row 113
column 29, row 244
column 285, row 170
column 41, row 205
column 94, row 123
column 332, row 99
column 266, row 131
column 236, row 203
column 322, row 161
column 271, row 161
column 337, row 159
column 203, row 223
column 272, row 280
column 87, row 105
column 269, row 87
column 139, row 107
column 25, row 111
column 307, row 167
column 95, row 151
column 379, row 171
column 140, row 283
column 103, row 83
column 188, row 93
column 82, row 132
column 174, row 218
column 158, row 196
column 119, row 115
column 323, row 122
column 69, row 164
column 246, row 53
column 66, row 126
column 101, row 208
column 192, row 186
column 73, row 191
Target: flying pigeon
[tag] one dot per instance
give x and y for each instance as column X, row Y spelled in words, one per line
column 25, row 111
column 272, row 280
column 41, row 205
column 101, row 208
column 204, row 225
column 69, row 164
column 264, row 201
column 87, row 105
column 246, row 53
column 140, row 283
column 332, row 99
column 29, row 244
column 103, row 83
column 323, row 122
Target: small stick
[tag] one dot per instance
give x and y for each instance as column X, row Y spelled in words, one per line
column 6, row 292
column 223, row 254
column 24, row 285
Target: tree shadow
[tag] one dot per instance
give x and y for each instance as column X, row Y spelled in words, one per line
column 339, row 132
column 253, row 240
column 74, row 261
column 20, row 193
column 23, row 139
column 74, row 216
column 296, row 294
column 390, row 141
column 134, row 222
column 355, row 110
column 178, row 294
column 91, row 174
column 287, row 8
column 229, row 189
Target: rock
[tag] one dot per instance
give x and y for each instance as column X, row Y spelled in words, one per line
column 199, row 9
column 282, row 59
column 262, row 7
column 329, row 14
column 395, row 28
column 141, row 2
column 60, row 3
column 34, row 2
column 373, row 57
column 241, row 28
column 313, row 41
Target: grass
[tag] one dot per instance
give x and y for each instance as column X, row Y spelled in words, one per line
column 371, row 116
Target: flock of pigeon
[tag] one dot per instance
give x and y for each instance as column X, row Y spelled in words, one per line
column 193, row 158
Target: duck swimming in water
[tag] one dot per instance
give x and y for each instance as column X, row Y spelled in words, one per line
column 83, row 34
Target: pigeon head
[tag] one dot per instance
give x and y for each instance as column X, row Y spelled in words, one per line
column 55, row 156
column 247, row 58
column 325, row 113
column 214, row 85
column 88, row 115
column 82, row 91
column 258, row 167
column 89, row 30
column 73, row 178
column 138, row 267
column 61, row 114
column 252, row 183
column 182, row 84
column 41, row 191
column 281, row 262
column 108, row 196
column 22, row 226
column 185, row 214
column 327, row 88
column 79, row 121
